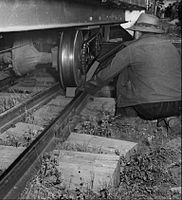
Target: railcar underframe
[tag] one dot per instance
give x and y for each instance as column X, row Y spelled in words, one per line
column 66, row 35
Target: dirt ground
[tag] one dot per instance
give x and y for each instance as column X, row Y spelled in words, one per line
column 152, row 172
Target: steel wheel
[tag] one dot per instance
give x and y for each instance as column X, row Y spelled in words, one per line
column 69, row 58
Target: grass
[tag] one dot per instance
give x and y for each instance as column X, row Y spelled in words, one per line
column 79, row 147
column 12, row 100
column 24, row 140
column 147, row 175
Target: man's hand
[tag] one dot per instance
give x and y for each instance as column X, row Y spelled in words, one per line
column 90, row 87
column 79, row 90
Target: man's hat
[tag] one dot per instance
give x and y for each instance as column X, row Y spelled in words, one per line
column 147, row 23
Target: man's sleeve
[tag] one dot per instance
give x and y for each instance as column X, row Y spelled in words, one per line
column 119, row 62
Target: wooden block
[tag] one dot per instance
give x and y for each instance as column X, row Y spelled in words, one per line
column 21, row 129
column 88, row 170
column 100, row 104
column 10, row 98
column 106, row 145
column 176, row 189
column 106, row 91
column 174, row 143
column 8, row 154
column 8, row 95
column 70, row 91
column 45, row 114
column 60, row 101
column 32, row 89
column 20, row 132
column 45, row 80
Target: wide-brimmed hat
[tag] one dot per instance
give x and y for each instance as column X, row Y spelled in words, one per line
column 147, row 23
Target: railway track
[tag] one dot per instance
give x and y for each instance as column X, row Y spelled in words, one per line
column 35, row 104
column 14, row 118
column 10, row 180
column 71, row 147
column 25, row 139
column 14, row 89
column 52, row 120
column 27, row 117
column 56, row 132
column 17, row 113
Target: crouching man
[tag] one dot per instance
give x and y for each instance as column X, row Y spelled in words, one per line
column 148, row 74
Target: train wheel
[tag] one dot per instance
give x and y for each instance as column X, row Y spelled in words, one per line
column 69, row 58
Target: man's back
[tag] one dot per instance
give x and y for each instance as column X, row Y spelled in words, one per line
column 154, row 71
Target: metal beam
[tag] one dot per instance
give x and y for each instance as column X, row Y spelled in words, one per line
column 24, row 15
column 141, row 3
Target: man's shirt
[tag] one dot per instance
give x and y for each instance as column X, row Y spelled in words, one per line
column 153, row 72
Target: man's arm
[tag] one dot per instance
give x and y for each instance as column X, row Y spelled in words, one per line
column 118, row 63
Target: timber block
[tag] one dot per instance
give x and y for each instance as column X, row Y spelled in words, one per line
column 7, row 100
column 99, row 104
column 70, row 91
column 176, row 189
column 20, row 131
column 89, row 171
column 60, row 101
column 8, row 154
column 104, row 145
column 42, row 81
column 22, row 128
column 45, row 114
column 26, row 89
column 7, row 95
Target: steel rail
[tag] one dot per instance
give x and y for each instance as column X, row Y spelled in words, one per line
column 14, row 179
column 18, row 112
